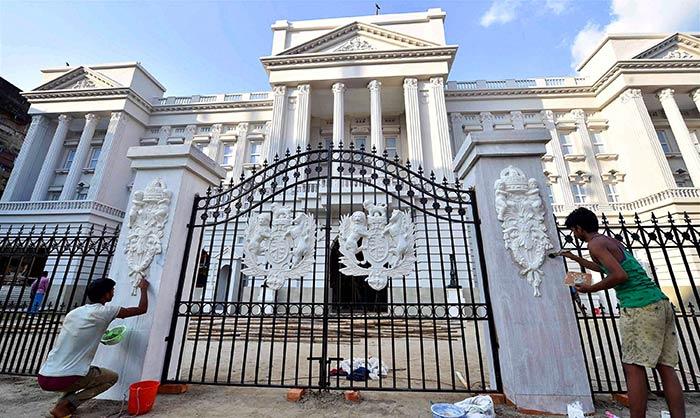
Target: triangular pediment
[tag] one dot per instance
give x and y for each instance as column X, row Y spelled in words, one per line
column 358, row 37
column 81, row 78
column 676, row 47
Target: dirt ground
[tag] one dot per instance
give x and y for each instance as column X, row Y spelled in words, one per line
column 21, row 397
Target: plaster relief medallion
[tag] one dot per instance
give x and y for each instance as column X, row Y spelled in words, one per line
column 387, row 248
column 521, row 211
column 146, row 226
column 279, row 247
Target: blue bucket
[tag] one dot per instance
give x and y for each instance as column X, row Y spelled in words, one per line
column 447, row 410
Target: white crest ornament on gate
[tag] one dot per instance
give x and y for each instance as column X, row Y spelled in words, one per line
column 520, row 209
column 388, row 248
column 286, row 248
column 146, row 223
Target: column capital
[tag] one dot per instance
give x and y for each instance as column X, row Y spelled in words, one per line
column 579, row 116
column 242, row 129
column 279, row 90
column 410, row 83
column 91, row 117
column 456, row 117
column 487, row 121
column 374, row 85
column 548, row 118
column 64, row 118
column 517, row 119
column 215, row 128
column 630, row 94
column 191, row 129
column 115, row 116
column 695, row 95
column 303, row 88
column 437, row 81
column 338, row 88
column 665, row 94
column 164, row 130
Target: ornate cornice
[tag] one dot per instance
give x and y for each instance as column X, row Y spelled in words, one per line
column 672, row 40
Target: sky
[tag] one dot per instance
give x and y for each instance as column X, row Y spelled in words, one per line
column 207, row 47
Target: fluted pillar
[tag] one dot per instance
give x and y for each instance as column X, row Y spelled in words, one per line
column 338, row 113
column 274, row 141
column 415, row 145
column 559, row 162
column 47, row 173
column 597, row 189
column 440, row 131
column 680, row 132
column 22, row 167
column 115, row 132
column 303, row 116
column 639, row 121
column 695, row 96
column 81, row 153
column 375, row 109
column 215, row 142
column 457, row 124
column 239, row 149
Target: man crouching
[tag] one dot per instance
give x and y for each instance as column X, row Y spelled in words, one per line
column 68, row 367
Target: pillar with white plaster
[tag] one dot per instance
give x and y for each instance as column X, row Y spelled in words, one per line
column 440, row 131
column 81, row 154
column 16, row 187
column 274, row 141
column 214, row 148
column 597, row 188
column 47, row 173
column 303, row 117
column 539, row 347
column 185, row 171
column 115, row 131
column 695, row 97
column 415, row 144
column 691, row 157
column 375, row 111
column 559, row 162
column 239, row 150
column 338, row 113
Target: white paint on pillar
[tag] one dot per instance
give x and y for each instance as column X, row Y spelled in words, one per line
column 274, row 140
column 559, row 162
column 22, row 166
column 691, row 157
column 303, row 117
column 695, row 97
column 214, row 148
column 239, row 150
column 415, row 144
column 439, row 129
column 140, row 356
column 81, row 154
column 115, row 131
column 338, row 113
column 48, row 170
column 597, row 188
column 375, row 108
column 538, row 341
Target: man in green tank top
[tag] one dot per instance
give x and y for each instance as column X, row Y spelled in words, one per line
column 647, row 321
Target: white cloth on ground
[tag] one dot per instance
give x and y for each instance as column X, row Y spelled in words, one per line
column 480, row 406
column 373, row 365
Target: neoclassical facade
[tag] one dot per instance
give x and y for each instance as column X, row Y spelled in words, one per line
column 624, row 131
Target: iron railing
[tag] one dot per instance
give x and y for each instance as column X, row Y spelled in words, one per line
column 73, row 257
column 669, row 249
column 230, row 329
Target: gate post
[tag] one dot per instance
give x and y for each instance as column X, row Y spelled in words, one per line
column 185, row 170
column 539, row 348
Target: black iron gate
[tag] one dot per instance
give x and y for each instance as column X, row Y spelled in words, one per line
column 669, row 249
column 428, row 328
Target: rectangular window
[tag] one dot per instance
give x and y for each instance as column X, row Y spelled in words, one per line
column 255, row 150
column 70, row 156
column 360, row 142
column 81, row 195
column 227, row 158
column 579, row 192
column 390, row 145
column 611, row 191
column 598, row 143
column 663, row 140
column 567, row 145
column 53, row 196
column 94, row 157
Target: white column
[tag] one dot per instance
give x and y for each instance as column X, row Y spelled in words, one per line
column 375, row 109
column 338, row 113
column 142, row 354
column 559, row 162
column 215, row 142
column 487, row 121
column 81, row 153
column 14, row 190
column 596, row 182
column 47, row 173
column 457, row 124
column 639, row 122
column 303, row 116
column 115, row 132
column 240, row 150
column 695, row 96
column 440, row 131
column 517, row 119
column 189, row 133
column 680, row 132
column 415, row 145
column 163, row 135
column 274, row 141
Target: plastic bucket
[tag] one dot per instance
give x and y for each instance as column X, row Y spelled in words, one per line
column 142, row 395
column 447, row 410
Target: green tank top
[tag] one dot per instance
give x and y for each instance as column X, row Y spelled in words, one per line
column 639, row 289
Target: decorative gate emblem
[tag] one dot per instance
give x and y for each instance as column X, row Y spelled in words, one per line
column 388, row 248
column 147, row 218
column 287, row 247
column 521, row 211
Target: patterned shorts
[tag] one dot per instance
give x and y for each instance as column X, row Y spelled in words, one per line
column 649, row 335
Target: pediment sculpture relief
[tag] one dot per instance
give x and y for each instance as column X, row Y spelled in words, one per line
column 521, row 211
